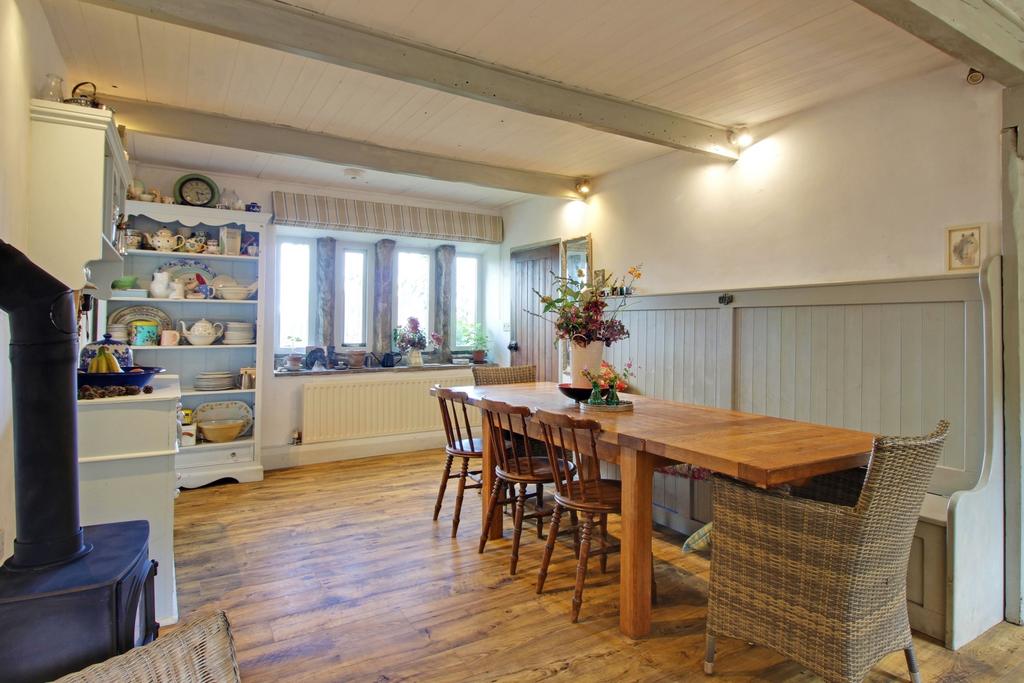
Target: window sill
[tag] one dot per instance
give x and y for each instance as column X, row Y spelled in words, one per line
column 400, row 369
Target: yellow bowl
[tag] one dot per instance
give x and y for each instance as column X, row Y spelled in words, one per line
column 219, row 431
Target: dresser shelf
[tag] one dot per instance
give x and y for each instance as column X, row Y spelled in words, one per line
column 194, row 302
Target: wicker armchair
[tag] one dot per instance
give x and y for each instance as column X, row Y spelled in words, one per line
column 822, row 583
column 516, row 374
column 200, row 652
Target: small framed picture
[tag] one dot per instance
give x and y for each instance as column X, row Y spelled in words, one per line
column 963, row 247
column 599, row 278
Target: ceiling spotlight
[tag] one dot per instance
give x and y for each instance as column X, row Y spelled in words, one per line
column 583, row 186
column 741, row 138
column 974, row 77
column 354, row 173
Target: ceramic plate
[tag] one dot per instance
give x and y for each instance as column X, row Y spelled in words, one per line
column 129, row 314
column 225, row 410
column 186, row 269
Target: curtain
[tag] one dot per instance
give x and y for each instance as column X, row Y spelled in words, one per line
column 317, row 211
column 383, row 316
column 444, row 261
column 325, row 269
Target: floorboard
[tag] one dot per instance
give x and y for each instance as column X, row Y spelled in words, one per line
column 336, row 572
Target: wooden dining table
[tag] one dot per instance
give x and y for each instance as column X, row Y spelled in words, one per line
column 760, row 450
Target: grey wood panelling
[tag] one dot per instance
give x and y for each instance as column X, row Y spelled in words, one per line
column 883, row 368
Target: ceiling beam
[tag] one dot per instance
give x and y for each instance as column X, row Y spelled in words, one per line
column 316, row 36
column 185, row 124
column 984, row 34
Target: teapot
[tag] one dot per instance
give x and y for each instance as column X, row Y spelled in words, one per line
column 387, row 360
column 165, row 240
column 203, row 332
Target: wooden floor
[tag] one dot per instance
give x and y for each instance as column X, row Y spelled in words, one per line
column 336, row 572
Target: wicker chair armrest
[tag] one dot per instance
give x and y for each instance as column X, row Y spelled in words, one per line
column 199, row 652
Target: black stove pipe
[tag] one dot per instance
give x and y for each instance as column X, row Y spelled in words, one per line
column 44, row 345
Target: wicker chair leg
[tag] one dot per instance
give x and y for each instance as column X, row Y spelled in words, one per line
column 915, row 670
column 549, row 547
column 581, row 566
column 517, row 531
column 492, row 505
column 458, row 497
column 709, row 656
column 444, row 485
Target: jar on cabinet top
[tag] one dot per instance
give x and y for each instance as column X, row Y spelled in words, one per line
column 119, row 349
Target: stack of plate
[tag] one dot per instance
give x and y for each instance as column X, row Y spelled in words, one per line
column 215, row 380
column 239, row 333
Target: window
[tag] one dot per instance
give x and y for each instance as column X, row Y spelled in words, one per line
column 466, row 300
column 294, row 292
column 412, row 289
column 353, row 298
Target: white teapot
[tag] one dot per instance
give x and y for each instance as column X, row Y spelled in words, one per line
column 203, row 332
column 165, row 240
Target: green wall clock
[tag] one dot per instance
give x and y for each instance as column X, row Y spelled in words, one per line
column 193, row 189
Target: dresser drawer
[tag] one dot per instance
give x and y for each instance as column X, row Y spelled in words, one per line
column 221, row 454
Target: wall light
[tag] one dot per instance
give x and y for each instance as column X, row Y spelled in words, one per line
column 974, row 77
column 741, row 137
column 583, row 186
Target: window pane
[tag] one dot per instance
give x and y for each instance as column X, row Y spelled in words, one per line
column 355, row 297
column 412, row 289
column 467, row 289
column 293, row 295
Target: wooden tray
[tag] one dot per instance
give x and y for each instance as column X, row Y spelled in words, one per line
column 623, row 407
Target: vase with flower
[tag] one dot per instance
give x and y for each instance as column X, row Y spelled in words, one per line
column 411, row 341
column 610, row 378
column 582, row 318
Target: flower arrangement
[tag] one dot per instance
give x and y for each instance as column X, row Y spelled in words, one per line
column 608, row 375
column 410, row 336
column 608, row 378
column 581, row 314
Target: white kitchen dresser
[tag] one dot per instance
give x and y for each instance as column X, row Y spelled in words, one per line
column 203, row 463
column 126, row 451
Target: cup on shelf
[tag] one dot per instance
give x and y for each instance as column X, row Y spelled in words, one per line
column 170, row 338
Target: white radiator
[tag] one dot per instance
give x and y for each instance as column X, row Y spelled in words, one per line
column 369, row 405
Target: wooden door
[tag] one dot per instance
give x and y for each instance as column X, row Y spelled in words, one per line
column 532, row 340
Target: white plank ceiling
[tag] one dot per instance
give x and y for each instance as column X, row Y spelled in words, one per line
column 149, row 149
column 728, row 61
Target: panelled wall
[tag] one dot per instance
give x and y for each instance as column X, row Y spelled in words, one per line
column 890, row 358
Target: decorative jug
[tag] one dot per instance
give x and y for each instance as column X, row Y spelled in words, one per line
column 160, row 287
column 202, row 333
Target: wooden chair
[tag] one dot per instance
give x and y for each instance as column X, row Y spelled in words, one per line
column 516, row 374
column 823, row 583
column 459, row 443
column 516, row 464
column 572, row 455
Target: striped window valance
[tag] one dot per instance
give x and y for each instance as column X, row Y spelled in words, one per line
column 334, row 213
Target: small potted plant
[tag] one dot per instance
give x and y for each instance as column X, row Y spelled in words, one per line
column 294, row 359
column 411, row 341
column 476, row 338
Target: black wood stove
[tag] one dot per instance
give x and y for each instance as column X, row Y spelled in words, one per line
column 69, row 597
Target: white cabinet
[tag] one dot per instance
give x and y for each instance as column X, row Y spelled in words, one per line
column 203, row 463
column 126, row 450
column 78, row 174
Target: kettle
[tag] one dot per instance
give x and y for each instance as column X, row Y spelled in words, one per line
column 387, row 360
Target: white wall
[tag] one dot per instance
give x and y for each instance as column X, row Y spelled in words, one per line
column 857, row 189
column 27, row 53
